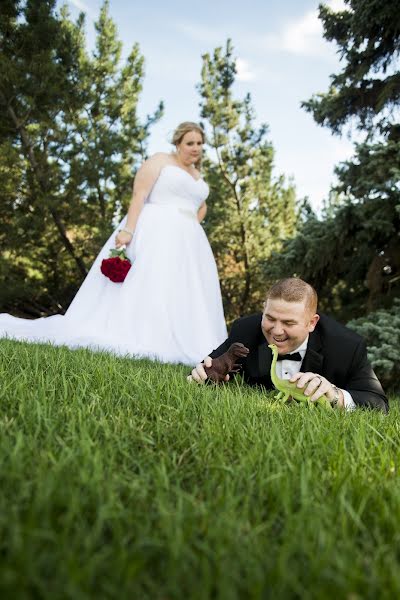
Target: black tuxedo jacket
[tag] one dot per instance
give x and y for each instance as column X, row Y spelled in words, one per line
column 333, row 351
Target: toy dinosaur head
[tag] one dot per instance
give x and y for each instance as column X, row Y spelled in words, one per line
column 238, row 350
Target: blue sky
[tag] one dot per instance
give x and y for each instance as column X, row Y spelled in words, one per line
column 282, row 59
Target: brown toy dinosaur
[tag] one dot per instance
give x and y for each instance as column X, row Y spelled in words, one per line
column 226, row 363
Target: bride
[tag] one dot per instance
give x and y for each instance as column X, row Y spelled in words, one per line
column 169, row 307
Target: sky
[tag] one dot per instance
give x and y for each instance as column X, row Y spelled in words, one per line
column 282, row 59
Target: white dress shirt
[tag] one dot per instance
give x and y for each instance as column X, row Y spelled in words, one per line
column 285, row 369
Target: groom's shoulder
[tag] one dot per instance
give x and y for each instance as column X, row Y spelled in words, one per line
column 250, row 324
column 328, row 326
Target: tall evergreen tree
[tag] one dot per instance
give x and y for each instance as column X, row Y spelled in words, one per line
column 70, row 122
column 109, row 139
column 251, row 212
column 353, row 253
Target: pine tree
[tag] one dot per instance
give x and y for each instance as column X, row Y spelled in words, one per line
column 251, row 212
column 352, row 254
column 381, row 330
column 109, row 140
column 70, row 123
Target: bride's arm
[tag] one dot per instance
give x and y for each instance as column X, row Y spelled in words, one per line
column 201, row 213
column 144, row 181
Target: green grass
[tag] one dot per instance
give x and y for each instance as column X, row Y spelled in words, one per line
column 120, row 480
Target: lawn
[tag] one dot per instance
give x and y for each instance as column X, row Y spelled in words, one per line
column 120, row 480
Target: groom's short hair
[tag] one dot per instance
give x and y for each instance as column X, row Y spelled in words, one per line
column 294, row 289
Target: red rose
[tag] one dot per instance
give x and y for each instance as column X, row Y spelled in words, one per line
column 115, row 268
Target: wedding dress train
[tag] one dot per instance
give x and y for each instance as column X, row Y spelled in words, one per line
column 168, row 308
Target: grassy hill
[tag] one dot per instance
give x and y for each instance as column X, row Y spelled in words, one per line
column 120, row 480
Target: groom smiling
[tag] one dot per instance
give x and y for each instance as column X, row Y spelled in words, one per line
column 321, row 355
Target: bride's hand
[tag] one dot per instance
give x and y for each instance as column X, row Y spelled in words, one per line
column 123, row 238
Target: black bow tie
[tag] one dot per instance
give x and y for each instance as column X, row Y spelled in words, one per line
column 294, row 356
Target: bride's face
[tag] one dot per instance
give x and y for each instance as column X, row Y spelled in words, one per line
column 190, row 148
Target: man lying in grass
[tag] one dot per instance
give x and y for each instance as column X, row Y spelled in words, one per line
column 321, row 355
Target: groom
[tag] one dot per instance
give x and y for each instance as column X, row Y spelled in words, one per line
column 317, row 352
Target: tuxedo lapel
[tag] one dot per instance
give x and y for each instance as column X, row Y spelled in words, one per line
column 313, row 359
column 258, row 363
column 264, row 359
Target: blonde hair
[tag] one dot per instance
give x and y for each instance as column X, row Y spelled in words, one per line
column 294, row 289
column 182, row 130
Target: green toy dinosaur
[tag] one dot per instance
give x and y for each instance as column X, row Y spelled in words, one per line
column 288, row 389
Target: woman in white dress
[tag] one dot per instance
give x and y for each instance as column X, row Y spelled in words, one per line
column 169, row 307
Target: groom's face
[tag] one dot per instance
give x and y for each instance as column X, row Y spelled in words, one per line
column 287, row 324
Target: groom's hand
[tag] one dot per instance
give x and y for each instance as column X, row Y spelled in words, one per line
column 198, row 373
column 316, row 386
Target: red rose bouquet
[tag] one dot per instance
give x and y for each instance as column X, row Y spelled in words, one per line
column 117, row 266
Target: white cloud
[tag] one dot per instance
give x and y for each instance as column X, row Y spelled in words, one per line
column 304, row 36
column 243, row 70
column 341, row 149
column 84, row 7
column 336, row 5
column 80, row 5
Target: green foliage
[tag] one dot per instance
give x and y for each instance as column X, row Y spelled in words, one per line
column 121, row 480
column 352, row 253
column 69, row 123
column 251, row 211
column 367, row 33
column 109, row 138
column 341, row 252
column 381, row 329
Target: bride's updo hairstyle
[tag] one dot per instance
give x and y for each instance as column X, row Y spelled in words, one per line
column 185, row 128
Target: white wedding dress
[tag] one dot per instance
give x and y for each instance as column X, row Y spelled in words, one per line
column 169, row 307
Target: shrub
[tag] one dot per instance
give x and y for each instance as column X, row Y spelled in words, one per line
column 381, row 330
